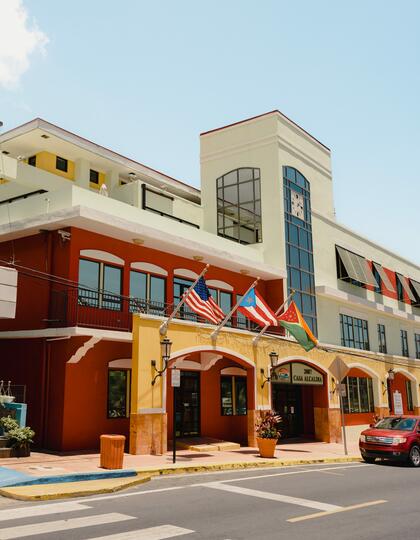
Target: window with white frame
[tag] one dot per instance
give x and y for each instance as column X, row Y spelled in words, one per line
column 147, row 293
column 358, row 395
column 100, row 285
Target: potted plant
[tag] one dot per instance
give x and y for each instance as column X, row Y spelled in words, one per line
column 18, row 438
column 267, row 433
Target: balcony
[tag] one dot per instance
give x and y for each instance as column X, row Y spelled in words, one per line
column 101, row 309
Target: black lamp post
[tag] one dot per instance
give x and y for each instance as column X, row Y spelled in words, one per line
column 165, row 352
column 274, row 358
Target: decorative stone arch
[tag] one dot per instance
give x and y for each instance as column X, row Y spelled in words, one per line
column 376, row 378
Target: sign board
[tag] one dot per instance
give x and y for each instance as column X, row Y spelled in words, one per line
column 176, row 378
column 297, row 373
column 304, row 374
column 339, row 369
column 398, row 404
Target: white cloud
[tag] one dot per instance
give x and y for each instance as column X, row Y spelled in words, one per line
column 20, row 37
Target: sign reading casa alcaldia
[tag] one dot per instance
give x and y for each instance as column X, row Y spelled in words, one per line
column 297, row 373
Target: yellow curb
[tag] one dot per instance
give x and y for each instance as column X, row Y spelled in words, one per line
column 186, row 469
column 43, row 492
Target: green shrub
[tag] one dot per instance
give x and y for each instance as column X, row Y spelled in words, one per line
column 17, row 436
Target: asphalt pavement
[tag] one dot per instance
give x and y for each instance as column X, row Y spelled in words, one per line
column 335, row 501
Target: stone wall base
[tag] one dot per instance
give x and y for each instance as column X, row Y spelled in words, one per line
column 148, row 434
column 327, row 424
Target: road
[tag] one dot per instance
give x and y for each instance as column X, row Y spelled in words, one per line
column 336, row 501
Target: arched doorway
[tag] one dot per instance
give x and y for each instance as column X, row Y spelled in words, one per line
column 402, row 392
column 298, row 388
column 215, row 399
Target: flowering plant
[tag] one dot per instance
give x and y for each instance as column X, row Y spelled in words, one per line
column 266, row 425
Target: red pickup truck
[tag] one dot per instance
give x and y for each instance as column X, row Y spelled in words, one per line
column 394, row 437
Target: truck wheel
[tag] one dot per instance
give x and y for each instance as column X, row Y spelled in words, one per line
column 367, row 459
column 414, row 456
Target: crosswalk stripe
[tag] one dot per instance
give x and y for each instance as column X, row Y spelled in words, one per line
column 274, row 497
column 62, row 525
column 41, row 510
column 151, row 533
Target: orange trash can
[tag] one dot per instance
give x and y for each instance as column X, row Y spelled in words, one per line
column 112, row 451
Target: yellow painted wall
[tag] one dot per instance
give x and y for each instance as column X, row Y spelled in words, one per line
column 101, row 181
column 47, row 162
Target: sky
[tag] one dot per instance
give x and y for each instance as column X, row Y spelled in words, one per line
column 145, row 78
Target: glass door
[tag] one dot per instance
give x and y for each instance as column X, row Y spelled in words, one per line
column 287, row 402
column 188, row 405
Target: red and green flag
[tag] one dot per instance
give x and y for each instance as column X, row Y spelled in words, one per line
column 295, row 324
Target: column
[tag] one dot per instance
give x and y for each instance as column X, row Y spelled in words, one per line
column 112, row 180
column 82, row 173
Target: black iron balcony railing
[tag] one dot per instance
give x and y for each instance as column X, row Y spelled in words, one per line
column 102, row 309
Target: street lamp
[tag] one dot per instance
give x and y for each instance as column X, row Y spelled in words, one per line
column 165, row 353
column 391, row 374
column 274, row 358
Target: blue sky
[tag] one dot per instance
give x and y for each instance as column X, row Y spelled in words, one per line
column 145, row 78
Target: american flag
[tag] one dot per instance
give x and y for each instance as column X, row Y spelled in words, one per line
column 201, row 302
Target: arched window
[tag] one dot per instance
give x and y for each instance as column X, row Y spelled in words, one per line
column 299, row 249
column 239, row 205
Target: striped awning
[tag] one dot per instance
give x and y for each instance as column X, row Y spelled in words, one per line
column 384, row 277
column 416, row 286
column 406, row 286
column 357, row 267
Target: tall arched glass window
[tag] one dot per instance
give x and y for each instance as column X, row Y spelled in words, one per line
column 299, row 249
column 239, row 205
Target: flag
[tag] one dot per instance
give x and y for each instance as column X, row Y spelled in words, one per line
column 295, row 324
column 201, row 302
column 254, row 307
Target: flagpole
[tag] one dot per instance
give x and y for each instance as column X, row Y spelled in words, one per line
column 257, row 337
column 164, row 326
column 215, row 332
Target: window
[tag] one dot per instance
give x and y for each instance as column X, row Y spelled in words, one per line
column 181, row 286
column 417, row 342
column 382, row 338
column 233, row 395
column 94, row 177
column 359, row 395
column 32, row 161
column 100, row 285
column 147, row 292
column 61, row 164
column 400, row 290
column 299, row 249
column 409, row 393
column 404, row 343
column 239, row 206
column 224, row 300
column 354, row 332
column 119, row 393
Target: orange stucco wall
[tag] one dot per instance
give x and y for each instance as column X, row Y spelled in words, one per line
column 398, row 384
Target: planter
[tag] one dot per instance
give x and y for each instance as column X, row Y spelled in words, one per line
column 21, row 451
column 267, row 447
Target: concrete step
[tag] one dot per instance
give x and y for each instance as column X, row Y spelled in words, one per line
column 5, row 453
column 206, row 444
column 3, row 441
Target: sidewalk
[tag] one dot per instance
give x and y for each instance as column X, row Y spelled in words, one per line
column 42, row 464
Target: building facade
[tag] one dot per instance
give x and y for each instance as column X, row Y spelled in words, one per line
column 105, row 247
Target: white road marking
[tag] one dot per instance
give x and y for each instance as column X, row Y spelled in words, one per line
column 345, row 509
column 274, row 497
column 288, row 473
column 41, row 510
column 45, row 527
column 151, row 533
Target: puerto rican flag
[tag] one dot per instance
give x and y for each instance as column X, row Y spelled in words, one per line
column 255, row 308
column 201, row 302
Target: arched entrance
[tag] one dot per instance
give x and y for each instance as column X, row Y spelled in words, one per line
column 298, row 388
column 215, row 399
column 402, row 392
